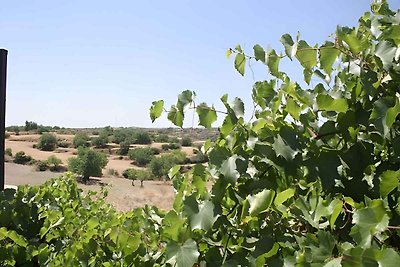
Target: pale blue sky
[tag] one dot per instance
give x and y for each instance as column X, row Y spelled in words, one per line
column 97, row 63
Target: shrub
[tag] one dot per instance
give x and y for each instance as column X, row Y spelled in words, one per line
column 80, row 139
column 6, row 135
column 186, row 141
column 87, row 163
column 8, row 152
column 47, row 142
column 159, row 166
column 143, row 138
column 101, row 140
column 21, row 158
column 42, row 165
column 54, row 163
column 63, row 143
column 141, row 156
column 124, row 148
column 112, row 172
column 161, row 138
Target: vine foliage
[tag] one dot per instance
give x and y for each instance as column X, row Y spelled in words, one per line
column 311, row 180
column 314, row 177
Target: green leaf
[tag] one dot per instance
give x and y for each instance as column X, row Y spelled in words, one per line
column 355, row 43
column 184, row 99
column 229, row 169
column 336, row 262
column 293, row 108
column 290, row 46
column 175, row 116
column 238, row 107
column 228, row 53
column 273, row 63
column 207, row 115
column 383, row 116
column 263, row 92
column 389, row 181
column 259, row 53
column 281, row 197
column 156, row 109
column 386, row 52
column 201, row 215
column 260, row 202
column 239, row 48
column 369, row 221
column 283, row 149
column 326, row 102
column 306, row 55
column 173, row 225
column 240, row 62
column 389, row 258
column 18, row 239
column 336, row 206
column 184, row 255
column 327, row 56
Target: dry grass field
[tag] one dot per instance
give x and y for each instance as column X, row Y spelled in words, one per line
column 122, row 194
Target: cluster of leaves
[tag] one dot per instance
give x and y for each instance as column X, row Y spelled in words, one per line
column 54, row 225
column 142, row 155
column 314, row 177
column 21, row 158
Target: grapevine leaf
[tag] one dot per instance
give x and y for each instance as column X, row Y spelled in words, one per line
column 327, row 56
column 201, row 215
column 283, row 149
column 229, row 169
column 386, row 52
column 336, row 262
column 239, row 48
column 369, row 221
column 281, row 197
column 306, row 55
column 260, row 202
column 184, row 255
column 184, row 99
column 326, row 102
column 263, row 92
column 355, row 43
column 389, row 258
column 156, row 109
column 290, row 46
column 228, row 53
column 273, row 63
column 259, row 53
column 240, row 62
column 293, row 108
column 389, row 181
column 175, row 116
column 238, row 107
column 207, row 115
column 172, row 225
column 383, row 116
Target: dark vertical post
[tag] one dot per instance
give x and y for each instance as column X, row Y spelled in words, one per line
column 3, row 79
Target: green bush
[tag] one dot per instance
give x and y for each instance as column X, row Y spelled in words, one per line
column 54, row 163
column 141, row 156
column 159, row 166
column 8, row 152
column 186, row 141
column 124, row 148
column 161, row 138
column 47, row 142
column 137, row 174
column 100, row 141
column 143, row 138
column 81, row 139
column 21, row 158
column 87, row 163
column 42, row 165
column 63, row 143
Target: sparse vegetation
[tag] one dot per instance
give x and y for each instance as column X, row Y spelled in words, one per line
column 186, row 141
column 54, row 163
column 47, row 142
column 21, row 158
column 141, row 156
column 8, row 152
column 81, row 139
